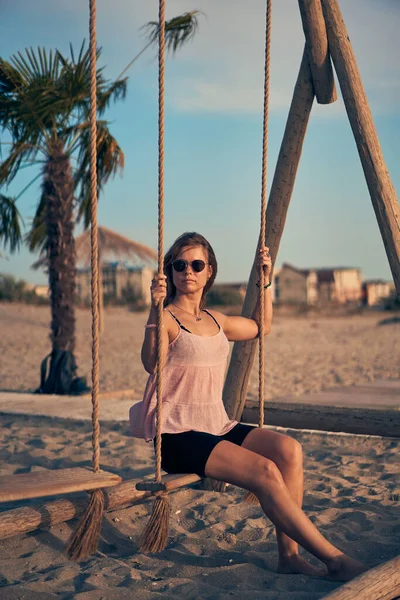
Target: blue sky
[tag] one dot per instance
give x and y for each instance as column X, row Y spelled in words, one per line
column 214, row 101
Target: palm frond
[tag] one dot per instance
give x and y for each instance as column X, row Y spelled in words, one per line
column 19, row 153
column 116, row 91
column 10, row 78
column 10, row 223
column 178, row 30
column 36, row 238
column 110, row 161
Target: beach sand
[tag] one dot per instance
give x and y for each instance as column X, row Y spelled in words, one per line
column 303, row 354
column 219, row 547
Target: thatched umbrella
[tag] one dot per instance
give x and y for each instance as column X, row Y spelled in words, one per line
column 111, row 245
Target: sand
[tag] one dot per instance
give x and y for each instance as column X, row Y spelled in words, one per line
column 219, row 547
column 303, row 354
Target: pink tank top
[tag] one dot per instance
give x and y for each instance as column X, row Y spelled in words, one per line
column 193, row 379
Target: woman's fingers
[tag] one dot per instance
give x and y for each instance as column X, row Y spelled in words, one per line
column 158, row 288
column 159, row 281
column 265, row 261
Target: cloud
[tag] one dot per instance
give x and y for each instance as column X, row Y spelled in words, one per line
column 222, row 70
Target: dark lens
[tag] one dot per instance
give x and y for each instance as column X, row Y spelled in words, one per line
column 179, row 265
column 198, row 265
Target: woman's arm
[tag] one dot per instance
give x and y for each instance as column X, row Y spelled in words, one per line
column 149, row 348
column 241, row 328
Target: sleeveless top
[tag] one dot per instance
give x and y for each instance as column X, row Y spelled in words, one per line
column 193, row 379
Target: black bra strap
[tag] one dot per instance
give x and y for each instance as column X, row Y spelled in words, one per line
column 178, row 321
column 213, row 318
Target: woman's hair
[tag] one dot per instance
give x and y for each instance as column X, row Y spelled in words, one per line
column 183, row 241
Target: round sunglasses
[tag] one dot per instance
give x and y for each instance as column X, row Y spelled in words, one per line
column 179, row 265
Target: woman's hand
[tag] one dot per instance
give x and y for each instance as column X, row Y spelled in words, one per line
column 158, row 289
column 265, row 263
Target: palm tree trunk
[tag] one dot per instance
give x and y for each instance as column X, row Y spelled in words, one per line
column 58, row 188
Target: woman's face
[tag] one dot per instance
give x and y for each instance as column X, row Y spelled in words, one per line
column 189, row 281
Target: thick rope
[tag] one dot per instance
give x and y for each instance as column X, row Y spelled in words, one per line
column 94, row 241
column 264, row 206
column 161, row 69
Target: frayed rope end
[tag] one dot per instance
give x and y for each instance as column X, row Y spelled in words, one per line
column 155, row 536
column 251, row 499
column 85, row 539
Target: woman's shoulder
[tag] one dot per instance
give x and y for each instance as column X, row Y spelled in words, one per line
column 169, row 316
column 218, row 316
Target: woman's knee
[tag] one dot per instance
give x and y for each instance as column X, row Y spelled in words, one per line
column 291, row 452
column 264, row 472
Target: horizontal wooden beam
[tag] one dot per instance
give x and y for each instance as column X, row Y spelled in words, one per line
column 379, row 583
column 22, row 520
column 369, row 421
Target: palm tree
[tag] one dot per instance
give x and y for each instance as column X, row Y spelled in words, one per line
column 44, row 106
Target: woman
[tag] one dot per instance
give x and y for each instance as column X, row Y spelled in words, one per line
column 197, row 435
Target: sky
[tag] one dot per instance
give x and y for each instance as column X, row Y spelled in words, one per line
column 214, row 103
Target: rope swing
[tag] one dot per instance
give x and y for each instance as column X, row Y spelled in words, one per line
column 84, row 540
column 249, row 497
column 155, row 536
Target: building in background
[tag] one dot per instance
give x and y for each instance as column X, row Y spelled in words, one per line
column 120, row 282
column 376, row 290
column 294, row 286
column 339, row 285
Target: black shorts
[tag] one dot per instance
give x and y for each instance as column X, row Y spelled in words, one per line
column 189, row 451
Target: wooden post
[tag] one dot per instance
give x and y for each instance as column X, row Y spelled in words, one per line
column 318, row 51
column 380, row 187
column 380, row 583
column 29, row 518
column 278, row 204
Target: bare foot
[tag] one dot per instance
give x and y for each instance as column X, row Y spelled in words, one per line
column 344, row 568
column 297, row 565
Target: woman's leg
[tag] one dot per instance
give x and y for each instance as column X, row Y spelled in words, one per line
column 287, row 454
column 242, row 467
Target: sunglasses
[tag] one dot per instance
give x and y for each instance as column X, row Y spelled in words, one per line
column 179, row 265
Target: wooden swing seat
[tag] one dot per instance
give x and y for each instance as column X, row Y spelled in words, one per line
column 50, row 483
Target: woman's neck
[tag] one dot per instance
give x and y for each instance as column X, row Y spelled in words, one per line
column 188, row 304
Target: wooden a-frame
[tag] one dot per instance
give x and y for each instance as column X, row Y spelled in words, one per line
column 326, row 35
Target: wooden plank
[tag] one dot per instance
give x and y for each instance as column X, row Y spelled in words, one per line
column 39, row 516
column 298, row 415
column 50, row 483
column 379, row 583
